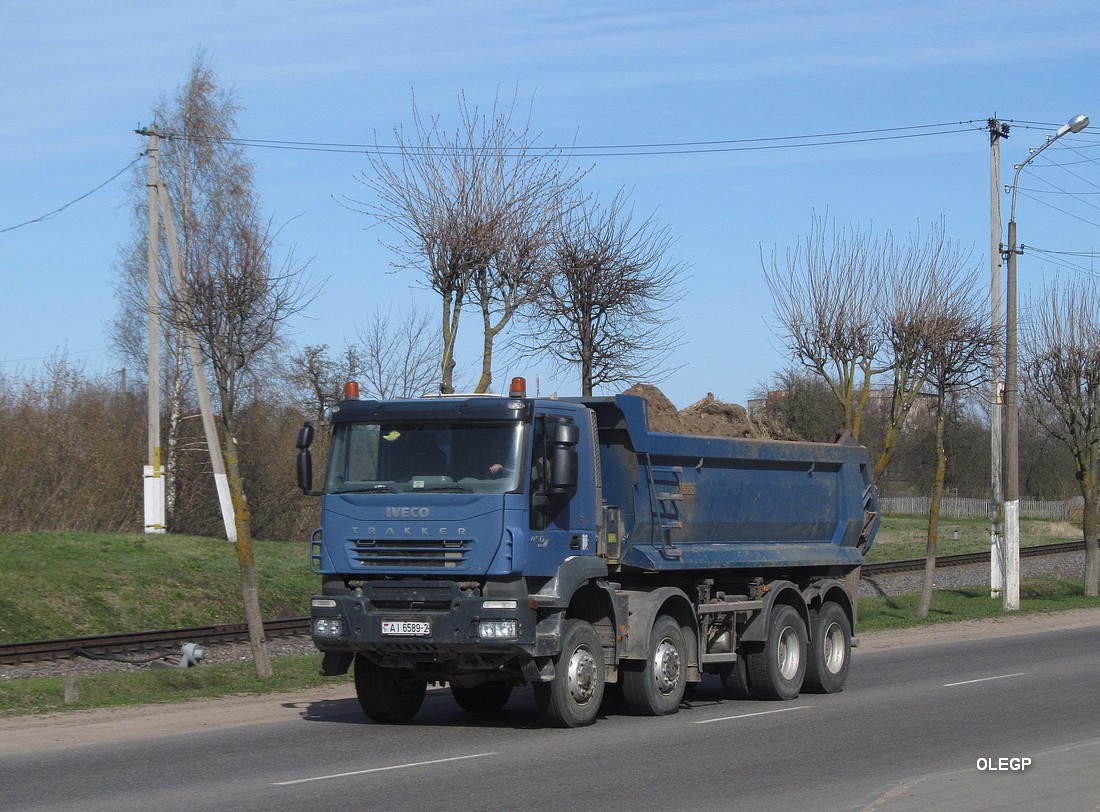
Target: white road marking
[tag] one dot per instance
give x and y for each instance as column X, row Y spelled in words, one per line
column 749, row 715
column 380, row 769
column 983, row 679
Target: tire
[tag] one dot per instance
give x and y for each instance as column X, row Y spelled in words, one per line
column 830, row 650
column 573, row 697
column 487, row 697
column 735, row 678
column 657, row 688
column 777, row 670
column 388, row 695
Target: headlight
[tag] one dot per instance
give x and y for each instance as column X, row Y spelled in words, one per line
column 498, row 604
column 327, row 627
column 497, row 629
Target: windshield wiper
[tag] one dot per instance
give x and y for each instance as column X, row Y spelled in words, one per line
column 382, row 487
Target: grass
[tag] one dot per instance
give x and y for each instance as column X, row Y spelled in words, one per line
column 73, row 584
column 69, row 584
column 971, row 603
column 157, row 686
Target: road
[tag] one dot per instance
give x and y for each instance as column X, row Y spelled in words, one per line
column 942, row 719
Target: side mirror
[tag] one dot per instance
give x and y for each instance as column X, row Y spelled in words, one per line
column 563, row 457
column 305, row 459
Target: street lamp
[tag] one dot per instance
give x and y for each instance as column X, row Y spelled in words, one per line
column 1011, row 396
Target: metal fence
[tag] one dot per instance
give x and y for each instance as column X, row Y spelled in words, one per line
column 957, row 507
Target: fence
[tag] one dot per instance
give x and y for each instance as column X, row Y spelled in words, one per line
column 960, row 508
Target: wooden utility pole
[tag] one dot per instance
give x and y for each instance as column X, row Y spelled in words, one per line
column 154, row 471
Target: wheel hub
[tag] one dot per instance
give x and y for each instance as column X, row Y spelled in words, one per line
column 666, row 667
column 833, row 648
column 582, row 676
column 788, row 653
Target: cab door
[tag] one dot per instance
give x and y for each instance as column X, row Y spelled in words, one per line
column 562, row 507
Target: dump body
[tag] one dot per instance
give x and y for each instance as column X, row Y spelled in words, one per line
column 492, row 542
column 694, row 502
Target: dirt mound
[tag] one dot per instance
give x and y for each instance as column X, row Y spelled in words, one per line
column 708, row 416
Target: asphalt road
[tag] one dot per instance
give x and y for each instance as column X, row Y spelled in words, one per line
column 925, row 723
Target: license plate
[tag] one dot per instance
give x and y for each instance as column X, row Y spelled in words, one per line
column 406, row 628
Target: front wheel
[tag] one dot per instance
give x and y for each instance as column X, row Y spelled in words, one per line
column 486, row 697
column 830, row 650
column 657, row 688
column 573, row 697
column 388, row 695
column 776, row 671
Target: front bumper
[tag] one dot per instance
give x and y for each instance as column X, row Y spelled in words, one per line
column 410, row 622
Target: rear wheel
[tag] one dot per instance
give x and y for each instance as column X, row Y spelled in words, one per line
column 735, row 678
column 830, row 650
column 573, row 697
column 777, row 670
column 388, row 695
column 487, row 697
column 657, row 687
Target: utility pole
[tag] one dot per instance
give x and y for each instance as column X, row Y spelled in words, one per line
column 154, row 490
column 997, row 131
column 154, row 472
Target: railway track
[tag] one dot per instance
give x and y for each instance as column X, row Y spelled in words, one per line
column 131, row 644
column 167, row 641
column 964, row 559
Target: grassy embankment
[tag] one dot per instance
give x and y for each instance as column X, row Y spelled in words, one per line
column 67, row 584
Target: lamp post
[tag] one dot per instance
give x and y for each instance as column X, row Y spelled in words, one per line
column 1012, row 403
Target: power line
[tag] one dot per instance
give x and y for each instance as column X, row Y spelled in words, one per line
column 625, row 150
column 1054, row 258
column 1050, row 205
column 57, row 211
column 58, row 354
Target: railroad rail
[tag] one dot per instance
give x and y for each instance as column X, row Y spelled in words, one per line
column 167, row 641
column 159, row 641
column 964, row 559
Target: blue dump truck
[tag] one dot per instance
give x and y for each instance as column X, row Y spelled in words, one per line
column 488, row 542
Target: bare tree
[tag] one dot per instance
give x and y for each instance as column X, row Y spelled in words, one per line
column 926, row 291
column 853, row 309
column 233, row 297
column 399, row 354
column 200, row 167
column 1061, row 370
column 472, row 211
column 957, row 338
column 317, row 379
column 602, row 306
column 236, row 305
column 826, row 299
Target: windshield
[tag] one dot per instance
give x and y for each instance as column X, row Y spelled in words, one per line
column 394, row 457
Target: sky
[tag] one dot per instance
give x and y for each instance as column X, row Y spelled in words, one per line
column 734, row 123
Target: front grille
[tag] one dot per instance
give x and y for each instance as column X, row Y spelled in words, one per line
column 389, row 553
column 409, row 596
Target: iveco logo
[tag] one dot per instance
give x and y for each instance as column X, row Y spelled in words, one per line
column 407, row 513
